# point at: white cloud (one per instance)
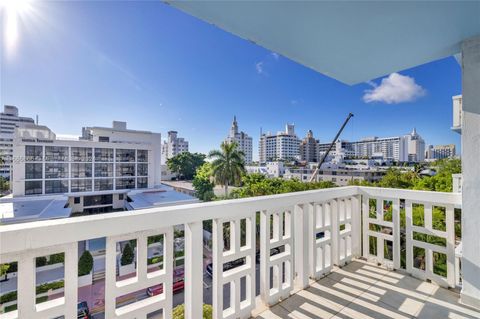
(275, 55)
(395, 88)
(259, 67)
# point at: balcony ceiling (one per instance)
(351, 41)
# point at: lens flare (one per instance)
(13, 11)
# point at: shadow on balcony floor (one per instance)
(362, 290)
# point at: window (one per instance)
(33, 187)
(56, 186)
(56, 153)
(103, 184)
(33, 153)
(120, 196)
(98, 200)
(125, 183)
(33, 170)
(81, 185)
(125, 169)
(125, 155)
(103, 170)
(104, 139)
(81, 154)
(104, 155)
(142, 169)
(142, 182)
(76, 200)
(142, 155)
(56, 170)
(81, 170)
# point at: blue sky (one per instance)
(88, 63)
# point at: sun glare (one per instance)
(12, 11)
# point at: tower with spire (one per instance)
(242, 139)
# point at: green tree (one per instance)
(202, 182)
(185, 164)
(442, 180)
(85, 263)
(228, 165)
(179, 312)
(127, 255)
(4, 269)
(395, 178)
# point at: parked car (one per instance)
(177, 286)
(226, 266)
(82, 310)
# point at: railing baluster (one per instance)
(301, 245)
(194, 270)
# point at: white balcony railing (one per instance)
(309, 231)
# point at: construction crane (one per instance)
(315, 173)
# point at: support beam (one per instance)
(471, 171)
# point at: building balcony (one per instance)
(349, 252)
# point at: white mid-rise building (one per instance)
(9, 120)
(242, 139)
(281, 146)
(95, 171)
(174, 145)
(440, 151)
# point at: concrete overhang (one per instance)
(351, 41)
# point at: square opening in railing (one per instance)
(128, 303)
(388, 249)
(155, 252)
(388, 210)
(431, 239)
(8, 287)
(126, 259)
(419, 258)
(179, 246)
(226, 228)
(418, 215)
(372, 245)
(440, 264)
(372, 208)
(439, 218)
(49, 277)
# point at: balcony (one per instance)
(353, 252)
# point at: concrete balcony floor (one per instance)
(362, 290)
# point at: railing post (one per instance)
(356, 226)
(301, 246)
(365, 215)
(332, 207)
(26, 287)
(194, 270)
(71, 280)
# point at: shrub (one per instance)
(49, 286)
(41, 261)
(127, 255)
(179, 312)
(9, 296)
(85, 263)
(56, 259)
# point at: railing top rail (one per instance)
(17, 238)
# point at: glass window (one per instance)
(81, 170)
(81, 154)
(142, 169)
(81, 185)
(125, 169)
(142, 182)
(98, 200)
(104, 139)
(103, 184)
(56, 186)
(33, 171)
(104, 155)
(103, 170)
(56, 153)
(125, 155)
(56, 170)
(76, 200)
(33, 187)
(125, 183)
(33, 153)
(142, 155)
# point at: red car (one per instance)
(177, 286)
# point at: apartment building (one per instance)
(440, 151)
(95, 171)
(281, 146)
(173, 145)
(309, 151)
(242, 139)
(9, 120)
(340, 176)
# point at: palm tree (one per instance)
(228, 164)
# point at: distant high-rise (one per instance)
(416, 147)
(281, 146)
(242, 139)
(309, 150)
(440, 151)
(174, 145)
(9, 120)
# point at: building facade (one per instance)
(95, 171)
(338, 176)
(440, 151)
(242, 139)
(309, 151)
(9, 120)
(281, 146)
(174, 145)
